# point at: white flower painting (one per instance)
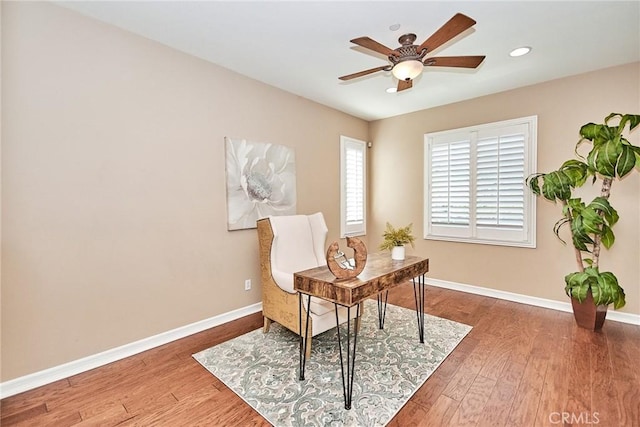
(261, 181)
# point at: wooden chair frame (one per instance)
(278, 305)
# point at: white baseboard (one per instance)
(616, 316)
(37, 379)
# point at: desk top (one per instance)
(379, 274)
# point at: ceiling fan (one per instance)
(408, 60)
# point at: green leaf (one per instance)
(553, 187)
(548, 188)
(614, 287)
(603, 205)
(633, 120)
(605, 289)
(591, 221)
(580, 244)
(610, 116)
(597, 293)
(626, 161)
(558, 225)
(591, 160)
(577, 285)
(576, 204)
(564, 190)
(579, 236)
(606, 134)
(607, 157)
(532, 182)
(576, 171)
(620, 299)
(591, 272)
(580, 292)
(590, 131)
(607, 238)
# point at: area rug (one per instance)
(391, 365)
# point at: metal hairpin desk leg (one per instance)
(303, 336)
(418, 293)
(382, 308)
(347, 382)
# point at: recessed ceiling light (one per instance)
(520, 51)
(391, 90)
(394, 27)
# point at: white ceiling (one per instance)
(303, 47)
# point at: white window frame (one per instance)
(358, 228)
(472, 233)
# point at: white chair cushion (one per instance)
(298, 244)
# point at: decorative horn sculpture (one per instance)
(338, 263)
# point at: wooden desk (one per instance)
(380, 274)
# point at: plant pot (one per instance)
(587, 314)
(397, 253)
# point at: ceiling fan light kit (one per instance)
(408, 60)
(407, 70)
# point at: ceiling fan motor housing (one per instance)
(408, 51)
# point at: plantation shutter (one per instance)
(475, 183)
(354, 184)
(353, 179)
(450, 183)
(499, 181)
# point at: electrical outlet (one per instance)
(247, 285)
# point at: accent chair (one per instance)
(288, 244)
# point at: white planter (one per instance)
(397, 253)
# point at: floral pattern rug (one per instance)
(390, 366)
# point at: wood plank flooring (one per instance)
(519, 366)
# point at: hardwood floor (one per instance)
(519, 366)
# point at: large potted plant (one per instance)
(395, 239)
(611, 157)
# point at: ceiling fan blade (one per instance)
(404, 84)
(364, 73)
(452, 28)
(454, 61)
(374, 45)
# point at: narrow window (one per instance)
(353, 166)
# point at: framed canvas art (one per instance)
(261, 181)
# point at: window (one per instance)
(353, 170)
(474, 183)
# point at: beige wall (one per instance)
(113, 189)
(562, 106)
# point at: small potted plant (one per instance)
(611, 157)
(395, 239)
